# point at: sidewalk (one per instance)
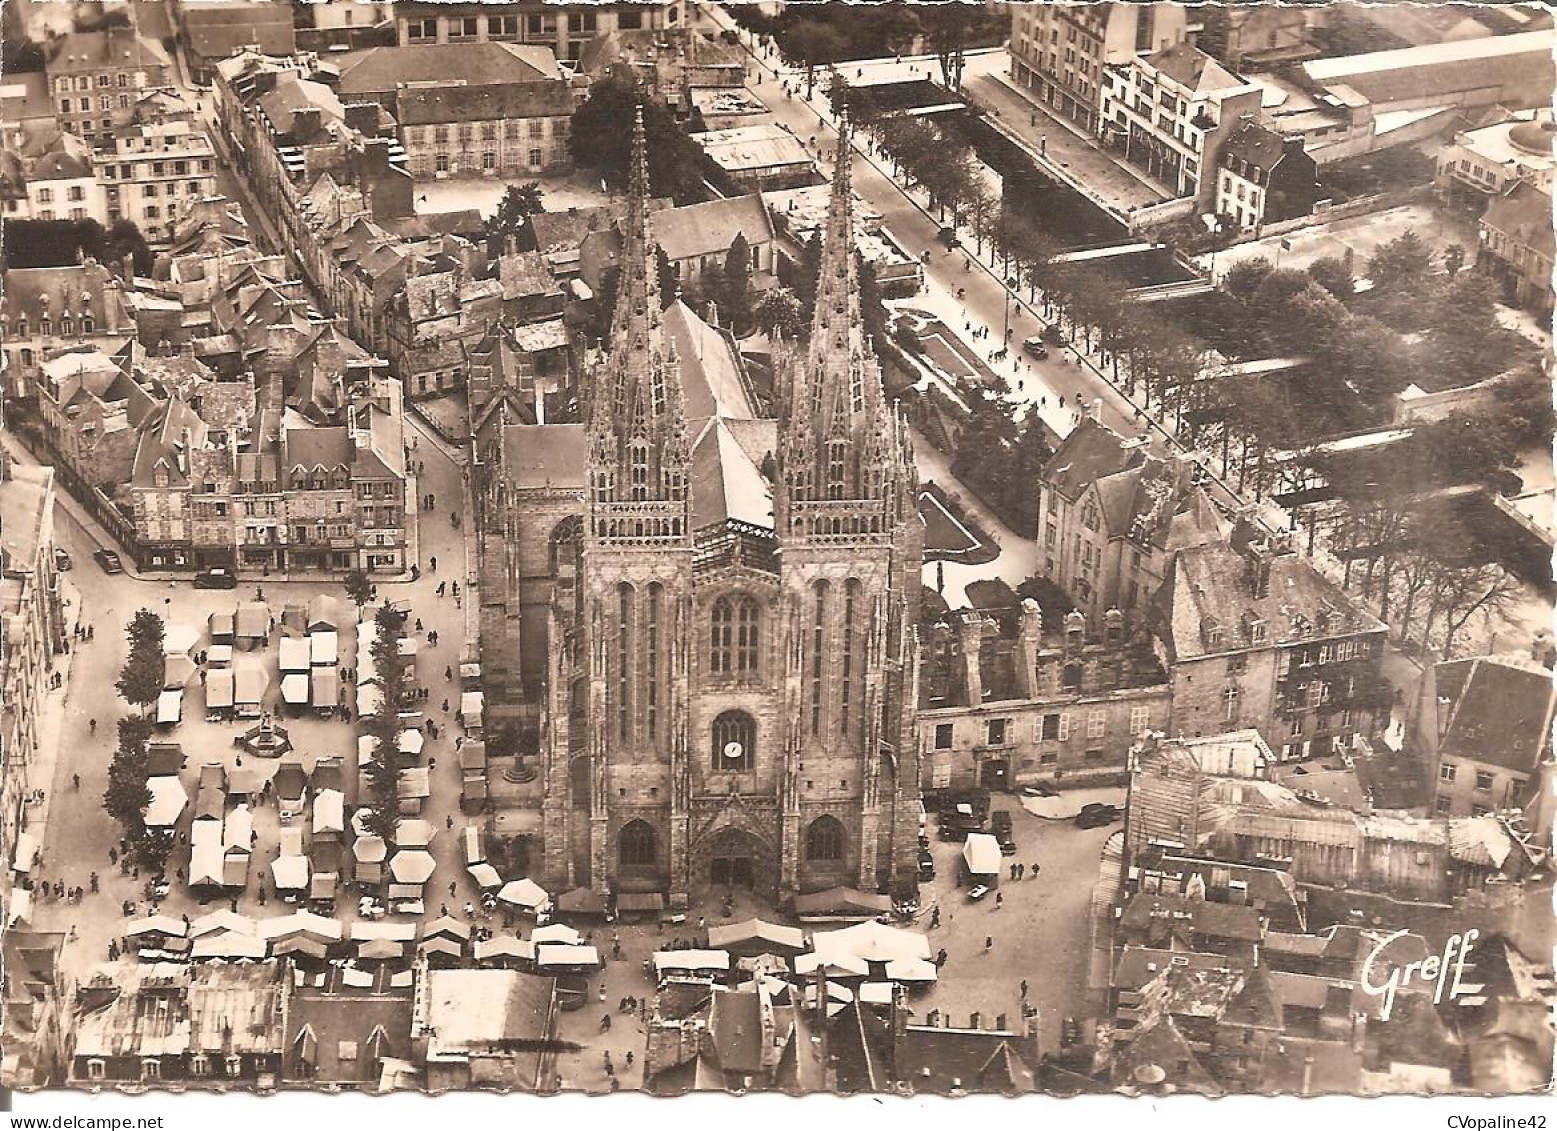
(1074, 155)
(41, 774)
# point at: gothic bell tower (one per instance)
(636, 578)
(850, 545)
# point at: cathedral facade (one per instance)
(730, 677)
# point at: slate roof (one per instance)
(542, 455)
(1499, 712)
(160, 445)
(1524, 214)
(92, 51)
(1214, 920)
(938, 1061)
(1138, 965)
(292, 94)
(217, 31)
(1210, 585)
(380, 70)
(1091, 452)
(338, 1036)
(1192, 68)
(1255, 144)
(442, 104)
(709, 228)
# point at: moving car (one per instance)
(108, 561)
(949, 238)
(217, 578)
(1034, 347)
(1039, 789)
(62, 560)
(1096, 815)
(977, 893)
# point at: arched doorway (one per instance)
(736, 859)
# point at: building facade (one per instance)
(97, 77)
(155, 168)
(1001, 709)
(1171, 112)
(1264, 178)
(565, 29)
(1059, 52)
(31, 632)
(1517, 244)
(730, 691)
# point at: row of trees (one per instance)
(129, 773)
(384, 725)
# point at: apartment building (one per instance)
(1170, 113)
(97, 76)
(154, 169)
(1060, 52)
(563, 28)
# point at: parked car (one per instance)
(1000, 825)
(1053, 335)
(1034, 347)
(62, 560)
(1096, 815)
(926, 865)
(217, 578)
(977, 893)
(949, 238)
(1039, 789)
(108, 561)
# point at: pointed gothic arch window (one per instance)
(825, 840)
(734, 742)
(733, 636)
(651, 660)
(847, 659)
(818, 639)
(638, 470)
(624, 661)
(637, 847)
(837, 468)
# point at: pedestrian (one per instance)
(454, 588)
(445, 706)
(935, 918)
(1034, 874)
(989, 943)
(92, 879)
(432, 563)
(448, 674)
(113, 856)
(451, 882)
(629, 1058)
(92, 725)
(602, 989)
(448, 822)
(1020, 869)
(1000, 898)
(1024, 989)
(432, 638)
(441, 586)
(418, 624)
(75, 780)
(432, 764)
(1012, 871)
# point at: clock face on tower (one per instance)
(733, 751)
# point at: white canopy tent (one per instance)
(168, 801)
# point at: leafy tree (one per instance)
(873, 312)
(1524, 405)
(596, 141)
(668, 278)
(20, 55)
(124, 238)
(1453, 259)
(1243, 279)
(359, 587)
(806, 273)
(146, 631)
(140, 680)
(1334, 276)
(1404, 260)
(128, 793)
(779, 314)
(519, 203)
(946, 27)
(384, 725)
(815, 45)
(736, 296)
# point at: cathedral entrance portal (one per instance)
(736, 859)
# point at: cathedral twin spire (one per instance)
(638, 442)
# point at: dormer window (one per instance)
(1089, 515)
(46, 326)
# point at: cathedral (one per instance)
(729, 662)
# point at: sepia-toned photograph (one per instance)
(926, 549)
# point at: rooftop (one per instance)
(1499, 711)
(752, 148)
(379, 70)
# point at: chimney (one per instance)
(974, 1019)
(1035, 1036)
(375, 155)
(1075, 631)
(306, 123)
(1028, 640)
(1000, 1022)
(363, 117)
(1113, 628)
(970, 637)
